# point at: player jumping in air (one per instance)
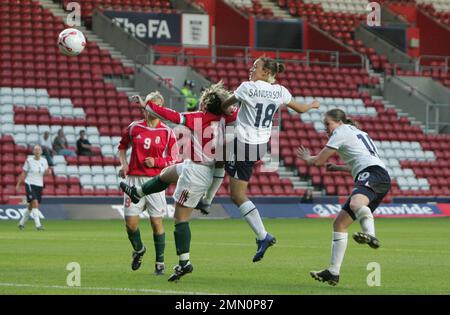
(259, 99)
(195, 175)
(372, 183)
(153, 147)
(34, 170)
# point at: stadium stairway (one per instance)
(276, 9)
(257, 8)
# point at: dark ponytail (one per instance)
(349, 121)
(272, 67)
(338, 115)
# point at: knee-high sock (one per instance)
(37, 220)
(160, 244)
(365, 217)
(135, 240)
(182, 236)
(251, 215)
(219, 175)
(25, 217)
(338, 247)
(152, 186)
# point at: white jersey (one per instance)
(354, 147)
(35, 170)
(258, 103)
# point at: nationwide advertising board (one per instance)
(405, 210)
(226, 210)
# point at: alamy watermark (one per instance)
(74, 16)
(374, 277)
(73, 279)
(374, 17)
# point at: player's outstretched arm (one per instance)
(318, 160)
(162, 113)
(303, 108)
(165, 114)
(338, 168)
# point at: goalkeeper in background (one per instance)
(153, 147)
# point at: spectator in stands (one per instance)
(61, 146)
(191, 100)
(307, 196)
(46, 145)
(83, 145)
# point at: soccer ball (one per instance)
(71, 42)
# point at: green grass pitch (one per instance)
(414, 258)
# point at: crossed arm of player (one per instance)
(320, 159)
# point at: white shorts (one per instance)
(154, 204)
(193, 183)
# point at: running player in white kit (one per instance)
(259, 99)
(34, 170)
(372, 183)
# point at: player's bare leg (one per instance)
(134, 235)
(159, 239)
(182, 236)
(159, 183)
(250, 213)
(205, 203)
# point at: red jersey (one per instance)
(207, 130)
(158, 142)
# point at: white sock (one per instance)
(25, 217)
(36, 218)
(139, 191)
(219, 174)
(365, 217)
(251, 215)
(184, 257)
(338, 247)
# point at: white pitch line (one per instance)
(278, 245)
(38, 286)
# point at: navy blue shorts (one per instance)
(33, 192)
(243, 157)
(373, 182)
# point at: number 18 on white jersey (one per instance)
(259, 102)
